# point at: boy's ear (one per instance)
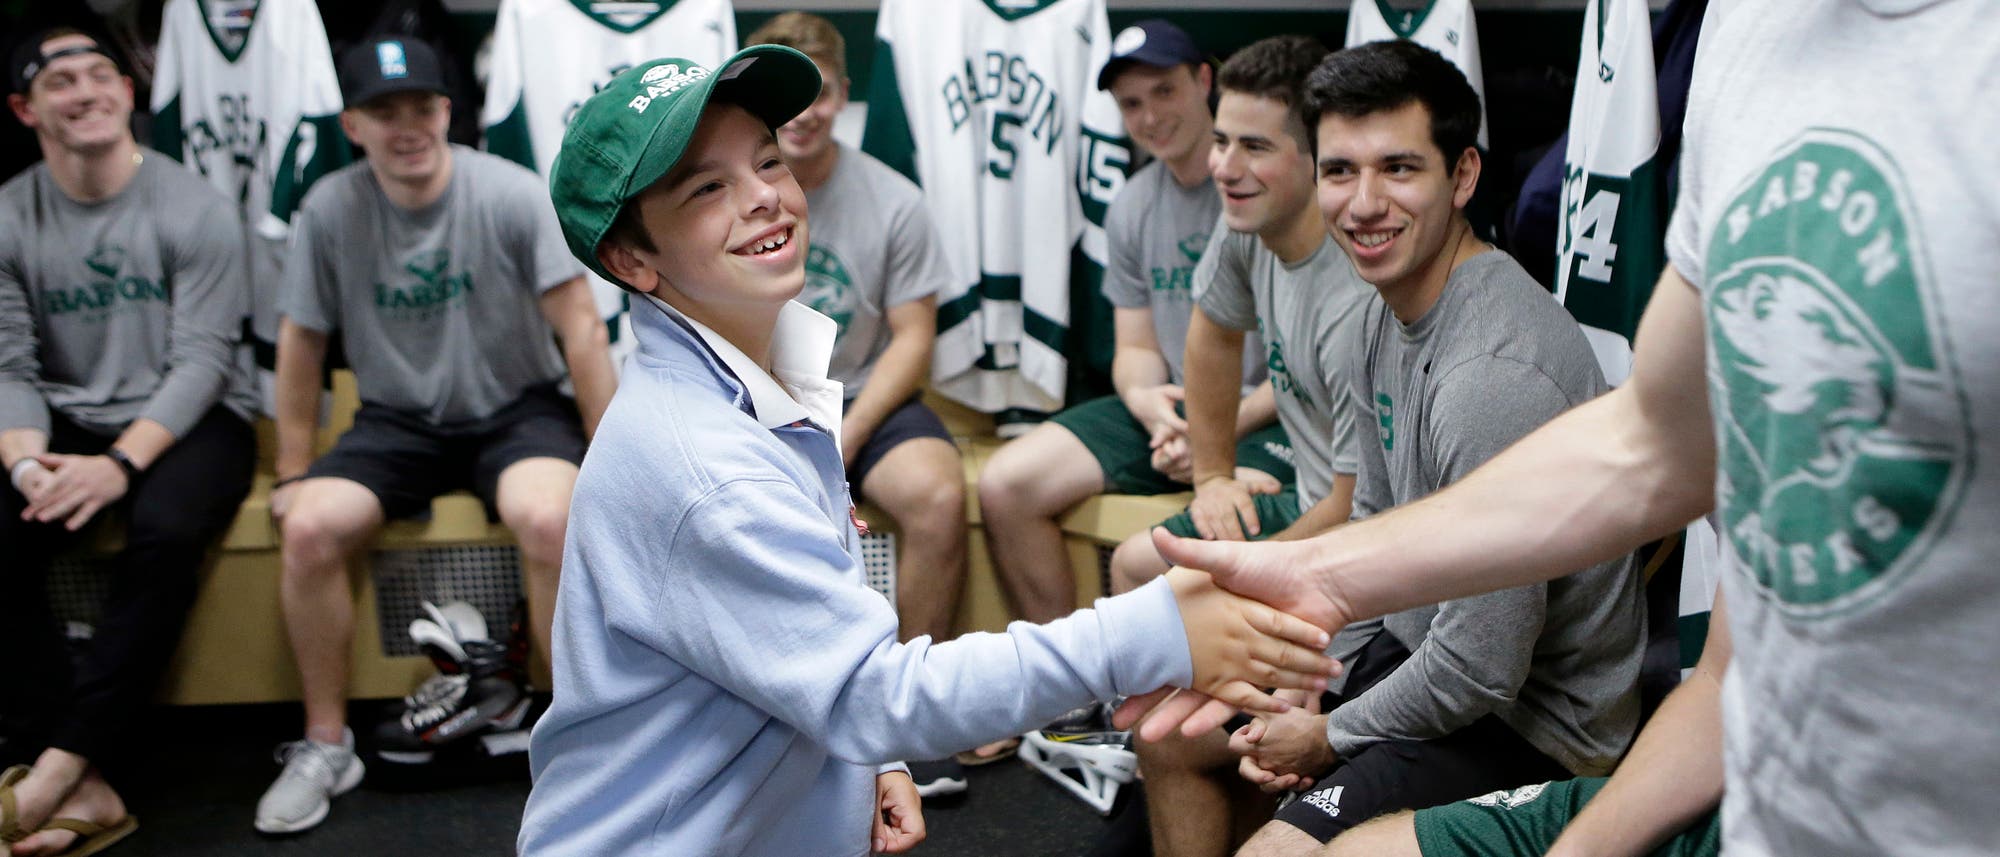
(626, 265)
(1465, 177)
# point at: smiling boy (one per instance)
(719, 666)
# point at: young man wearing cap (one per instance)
(122, 294)
(443, 269)
(725, 683)
(1134, 442)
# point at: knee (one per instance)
(1135, 563)
(935, 506)
(316, 542)
(540, 529)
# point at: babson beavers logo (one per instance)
(1845, 446)
(108, 289)
(432, 289)
(829, 288)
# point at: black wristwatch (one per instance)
(124, 463)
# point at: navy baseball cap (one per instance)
(378, 67)
(1150, 42)
(28, 59)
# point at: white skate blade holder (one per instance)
(1090, 771)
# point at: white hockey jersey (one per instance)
(548, 56)
(1445, 26)
(1612, 242)
(992, 106)
(245, 93)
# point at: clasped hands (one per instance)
(70, 488)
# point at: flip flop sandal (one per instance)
(10, 818)
(1002, 750)
(92, 837)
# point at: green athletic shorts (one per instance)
(1526, 821)
(1123, 451)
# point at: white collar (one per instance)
(801, 352)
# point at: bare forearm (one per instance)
(144, 441)
(1331, 511)
(899, 374)
(1595, 483)
(1673, 774)
(301, 353)
(1135, 369)
(1214, 368)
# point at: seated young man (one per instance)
(725, 684)
(1662, 801)
(1460, 353)
(122, 294)
(1270, 267)
(874, 267)
(1134, 442)
(444, 271)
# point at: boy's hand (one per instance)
(1239, 645)
(1222, 509)
(899, 820)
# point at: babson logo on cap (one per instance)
(1845, 443)
(663, 80)
(108, 289)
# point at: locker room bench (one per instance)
(235, 649)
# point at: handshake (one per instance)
(1257, 624)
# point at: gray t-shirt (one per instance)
(873, 248)
(126, 308)
(1306, 312)
(1558, 662)
(437, 308)
(1156, 231)
(1839, 212)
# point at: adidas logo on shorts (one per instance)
(1326, 800)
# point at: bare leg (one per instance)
(1193, 795)
(1393, 835)
(1027, 485)
(328, 521)
(1135, 563)
(921, 484)
(1278, 839)
(533, 496)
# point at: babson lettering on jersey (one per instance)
(1018, 99)
(1827, 346)
(107, 291)
(430, 294)
(235, 140)
(829, 287)
(1180, 278)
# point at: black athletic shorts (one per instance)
(406, 460)
(910, 420)
(1397, 775)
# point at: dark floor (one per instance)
(196, 788)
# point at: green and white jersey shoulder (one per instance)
(992, 106)
(1614, 205)
(244, 92)
(1445, 26)
(548, 56)
(1844, 232)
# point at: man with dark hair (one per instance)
(1457, 354)
(1271, 268)
(122, 294)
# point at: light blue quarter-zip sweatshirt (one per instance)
(725, 682)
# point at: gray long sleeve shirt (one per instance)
(1557, 662)
(123, 309)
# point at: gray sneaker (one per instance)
(314, 775)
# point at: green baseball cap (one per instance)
(633, 131)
